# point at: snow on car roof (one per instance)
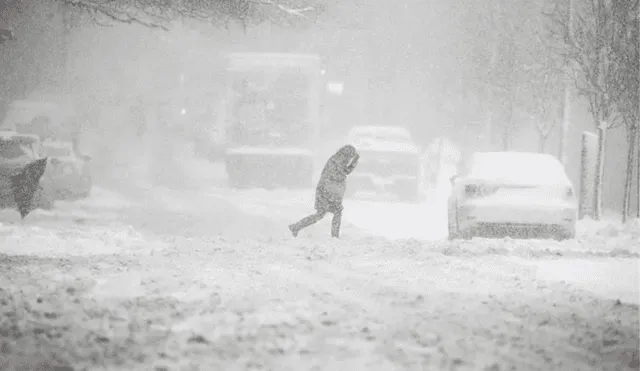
(526, 167)
(10, 134)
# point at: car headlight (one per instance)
(479, 190)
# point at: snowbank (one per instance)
(194, 212)
(610, 235)
(81, 240)
(608, 228)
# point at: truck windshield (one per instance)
(270, 108)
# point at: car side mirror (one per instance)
(86, 157)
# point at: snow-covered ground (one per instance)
(210, 279)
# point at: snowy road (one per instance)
(202, 280)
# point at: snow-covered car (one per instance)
(390, 161)
(71, 172)
(16, 151)
(515, 194)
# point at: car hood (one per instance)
(13, 166)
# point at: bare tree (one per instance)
(596, 73)
(543, 80)
(625, 55)
(160, 13)
(628, 182)
(638, 172)
(487, 62)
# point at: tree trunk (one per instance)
(490, 106)
(505, 138)
(566, 107)
(566, 119)
(506, 132)
(542, 143)
(638, 171)
(489, 122)
(597, 194)
(628, 179)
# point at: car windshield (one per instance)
(270, 108)
(521, 168)
(15, 148)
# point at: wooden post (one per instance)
(588, 155)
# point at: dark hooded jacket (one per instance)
(25, 185)
(332, 184)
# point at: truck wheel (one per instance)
(236, 183)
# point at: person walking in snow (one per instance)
(25, 185)
(330, 190)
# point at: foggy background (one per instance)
(457, 69)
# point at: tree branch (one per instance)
(159, 13)
(291, 11)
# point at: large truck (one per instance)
(271, 119)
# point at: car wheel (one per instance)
(88, 180)
(85, 193)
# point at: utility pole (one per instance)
(566, 119)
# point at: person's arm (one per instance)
(353, 164)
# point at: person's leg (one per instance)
(336, 221)
(306, 221)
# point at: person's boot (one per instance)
(294, 230)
